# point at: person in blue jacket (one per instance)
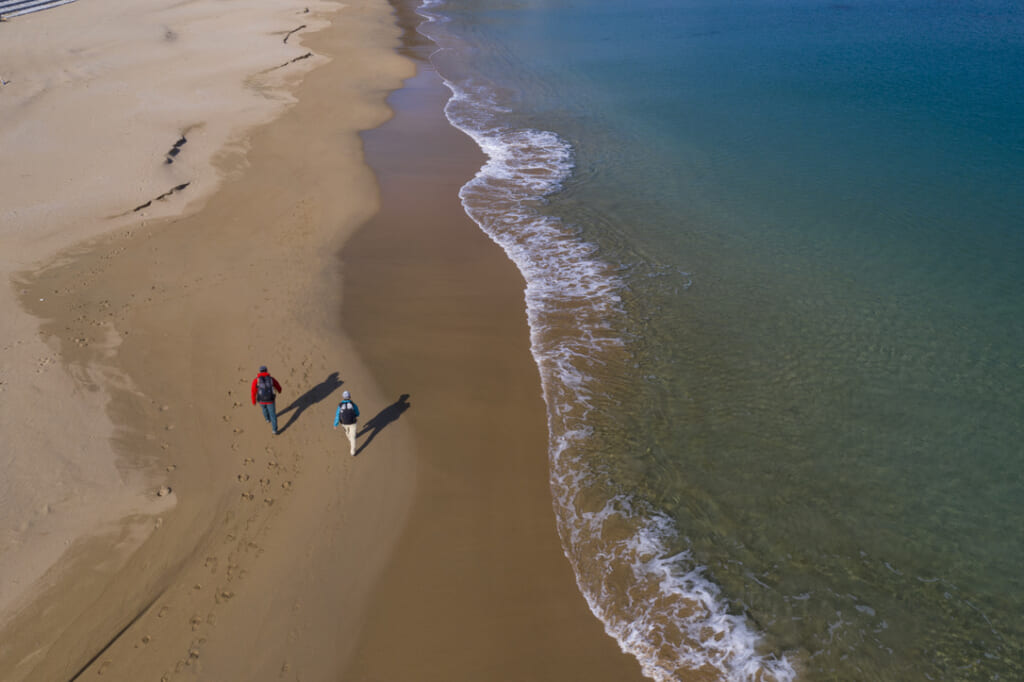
(347, 415)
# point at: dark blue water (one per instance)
(775, 265)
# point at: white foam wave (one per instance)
(676, 620)
(666, 613)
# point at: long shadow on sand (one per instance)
(385, 417)
(311, 397)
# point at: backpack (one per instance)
(348, 413)
(264, 389)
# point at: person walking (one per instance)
(264, 391)
(347, 414)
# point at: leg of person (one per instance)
(266, 413)
(272, 408)
(350, 431)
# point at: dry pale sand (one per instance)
(95, 98)
(131, 338)
(131, 368)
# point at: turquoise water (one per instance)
(775, 265)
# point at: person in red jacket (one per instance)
(264, 391)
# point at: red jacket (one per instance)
(277, 387)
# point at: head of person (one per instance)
(345, 395)
(263, 368)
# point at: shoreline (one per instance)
(478, 585)
(170, 318)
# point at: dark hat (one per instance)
(263, 368)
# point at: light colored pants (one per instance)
(350, 431)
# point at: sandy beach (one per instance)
(89, 136)
(132, 340)
(191, 200)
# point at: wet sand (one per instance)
(478, 586)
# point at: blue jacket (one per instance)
(337, 415)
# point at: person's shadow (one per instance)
(389, 414)
(310, 398)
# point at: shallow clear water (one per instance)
(775, 265)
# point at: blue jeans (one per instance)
(270, 414)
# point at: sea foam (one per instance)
(666, 613)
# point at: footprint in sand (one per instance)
(248, 496)
(242, 478)
(163, 611)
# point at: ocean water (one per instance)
(774, 254)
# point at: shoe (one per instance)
(275, 432)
